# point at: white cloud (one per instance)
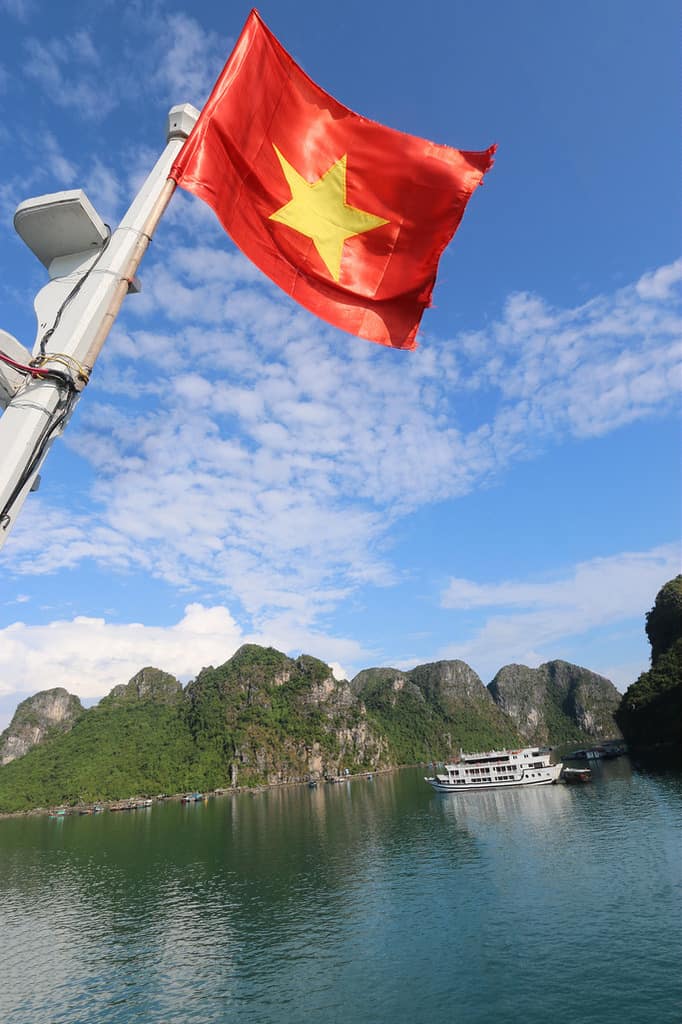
(19, 9)
(543, 616)
(240, 447)
(659, 284)
(62, 169)
(88, 656)
(63, 67)
(190, 58)
(105, 190)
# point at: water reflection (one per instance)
(326, 903)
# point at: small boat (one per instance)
(192, 798)
(497, 769)
(312, 784)
(147, 802)
(573, 775)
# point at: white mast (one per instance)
(90, 275)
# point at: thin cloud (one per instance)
(532, 620)
(265, 458)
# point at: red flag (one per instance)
(347, 216)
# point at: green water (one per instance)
(370, 901)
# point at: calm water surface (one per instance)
(365, 902)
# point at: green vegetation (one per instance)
(560, 726)
(113, 751)
(259, 718)
(664, 621)
(427, 714)
(650, 714)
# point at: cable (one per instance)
(33, 370)
(41, 372)
(61, 379)
(72, 294)
(60, 415)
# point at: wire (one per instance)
(43, 373)
(33, 370)
(72, 295)
(69, 399)
(60, 415)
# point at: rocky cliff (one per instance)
(432, 711)
(263, 717)
(557, 702)
(45, 714)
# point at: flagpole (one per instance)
(80, 303)
(127, 279)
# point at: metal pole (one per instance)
(39, 412)
(127, 278)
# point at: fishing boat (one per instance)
(497, 769)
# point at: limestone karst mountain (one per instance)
(557, 702)
(45, 714)
(265, 718)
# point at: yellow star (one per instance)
(320, 212)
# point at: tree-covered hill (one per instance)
(260, 718)
(433, 711)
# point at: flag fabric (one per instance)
(345, 215)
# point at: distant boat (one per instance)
(192, 798)
(312, 784)
(573, 775)
(588, 754)
(497, 769)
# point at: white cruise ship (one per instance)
(497, 769)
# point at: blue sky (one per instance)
(238, 470)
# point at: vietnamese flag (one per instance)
(346, 216)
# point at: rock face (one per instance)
(433, 711)
(264, 717)
(450, 684)
(45, 714)
(557, 702)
